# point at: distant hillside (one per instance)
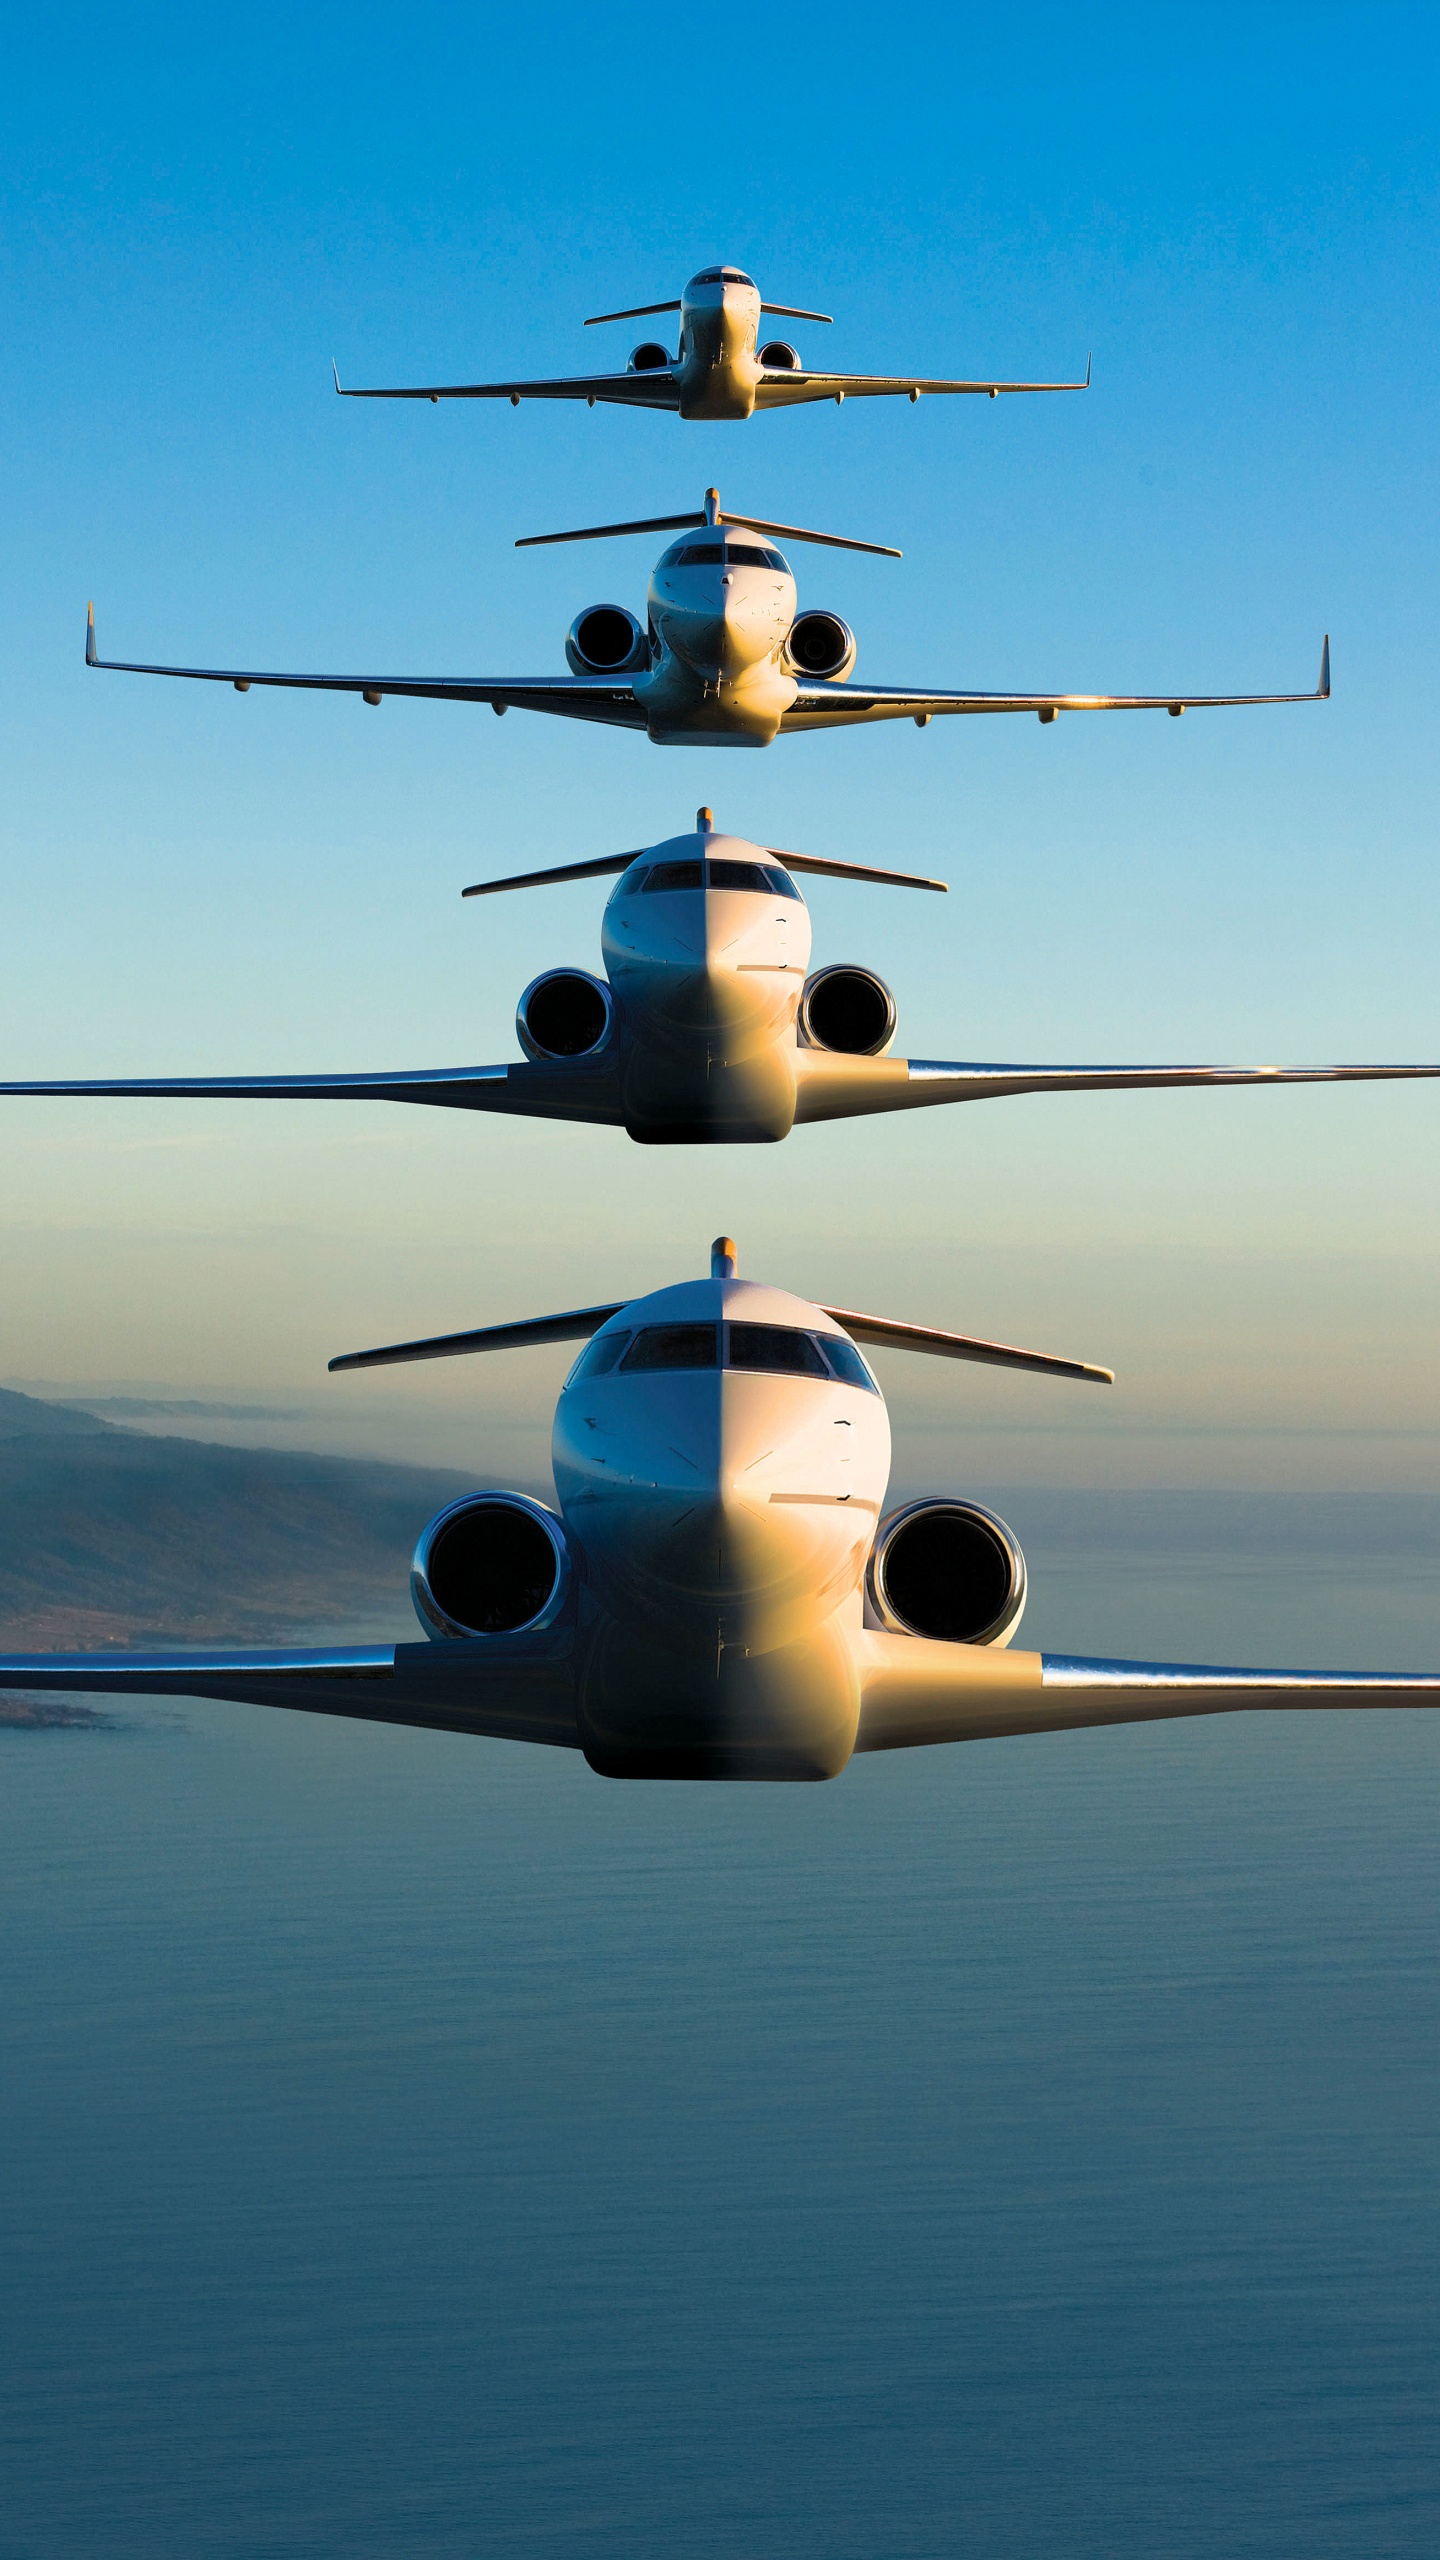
(114, 1536)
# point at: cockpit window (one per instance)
(722, 275)
(776, 1347)
(847, 1364)
(598, 1357)
(780, 881)
(738, 875)
(673, 875)
(733, 555)
(674, 1346)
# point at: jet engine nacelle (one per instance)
(491, 1564)
(649, 356)
(849, 1009)
(820, 644)
(564, 1014)
(780, 358)
(947, 1570)
(606, 640)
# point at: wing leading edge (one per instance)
(833, 706)
(833, 1087)
(571, 697)
(783, 389)
(514, 1688)
(648, 390)
(916, 1691)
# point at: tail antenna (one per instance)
(724, 1261)
(705, 822)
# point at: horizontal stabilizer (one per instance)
(712, 513)
(884, 1334)
(615, 862)
(828, 870)
(641, 311)
(576, 1325)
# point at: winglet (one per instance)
(335, 369)
(1088, 363)
(1324, 695)
(91, 660)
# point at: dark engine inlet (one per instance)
(948, 1570)
(490, 1565)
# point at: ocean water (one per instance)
(414, 2146)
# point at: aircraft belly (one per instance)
(682, 710)
(651, 1711)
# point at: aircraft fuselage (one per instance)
(717, 370)
(706, 942)
(725, 1512)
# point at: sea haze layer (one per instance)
(418, 2146)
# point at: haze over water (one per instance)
(1027, 2149)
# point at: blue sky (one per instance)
(1236, 212)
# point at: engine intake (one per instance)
(565, 1014)
(820, 644)
(948, 1570)
(492, 1564)
(849, 1009)
(649, 356)
(779, 357)
(606, 640)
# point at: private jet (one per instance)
(719, 1591)
(709, 1026)
(725, 658)
(718, 370)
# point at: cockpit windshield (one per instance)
(763, 879)
(780, 1349)
(727, 555)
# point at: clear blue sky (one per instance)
(1236, 210)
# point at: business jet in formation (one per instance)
(709, 1025)
(725, 656)
(719, 1591)
(718, 371)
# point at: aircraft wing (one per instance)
(819, 705)
(519, 1688)
(657, 390)
(559, 1090)
(780, 390)
(600, 698)
(834, 1087)
(914, 1691)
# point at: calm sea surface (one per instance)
(420, 2146)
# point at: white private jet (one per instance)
(724, 658)
(709, 1026)
(717, 1594)
(718, 371)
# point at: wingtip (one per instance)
(91, 660)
